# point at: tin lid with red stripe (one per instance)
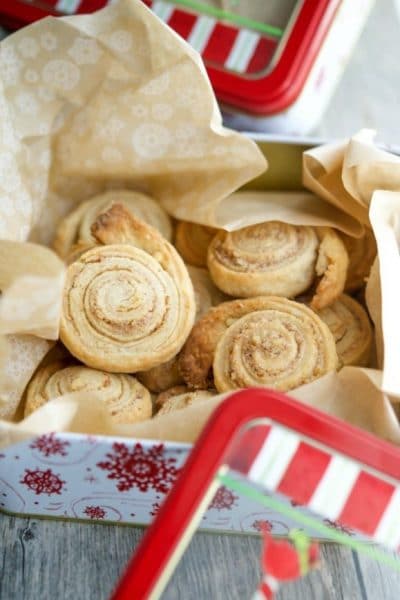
(312, 469)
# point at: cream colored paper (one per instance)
(373, 299)
(21, 355)
(367, 168)
(31, 282)
(242, 209)
(385, 219)
(79, 413)
(354, 395)
(322, 174)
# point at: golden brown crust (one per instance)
(127, 307)
(182, 401)
(162, 377)
(176, 390)
(77, 250)
(125, 398)
(75, 228)
(281, 347)
(350, 326)
(362, 252)
(192, 241)
(331, 267)
(197, 356)
(270, 258)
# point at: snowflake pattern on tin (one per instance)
(94, 512)
(155, 507)
(140, 468)
(223, 499)
(42, 482)
(50, 445)
(262, 525)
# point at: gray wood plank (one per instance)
(74, 561)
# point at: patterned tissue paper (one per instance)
(111, 99)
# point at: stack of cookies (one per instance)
(155, 327)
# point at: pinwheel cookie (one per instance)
(76, 227)
(266, 341)
(177, 402)
(276, 258)
(128, 306)
(125, 398)
(351, 328)
(206, 295)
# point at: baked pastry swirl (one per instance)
(192, 241)
(331, 268)
(350, 326)
(268, 258)
(177, 402)
(125, 398)
(127, 307)
(266, 341)
(76, 227)
(362, 252)
(206, 295)
(276, 258)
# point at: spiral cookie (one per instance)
(76, 226)
(183, 400)
(167, 375)
(362, 252)
(125, 398)
(269, 258)
(281, 345)
(126, 308)
(331, 268)
(351, 328)
(162, 377)
(192, 242)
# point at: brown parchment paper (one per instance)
(116, 99)
(385, 219)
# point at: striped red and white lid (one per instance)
(328, 483)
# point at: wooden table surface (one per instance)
(45, 560)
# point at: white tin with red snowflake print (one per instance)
(72, 476)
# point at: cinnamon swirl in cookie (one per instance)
(124, 397)
(350, 326)
(127, 306)
(76, 227)
(265, 341)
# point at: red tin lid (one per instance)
(280, 87)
